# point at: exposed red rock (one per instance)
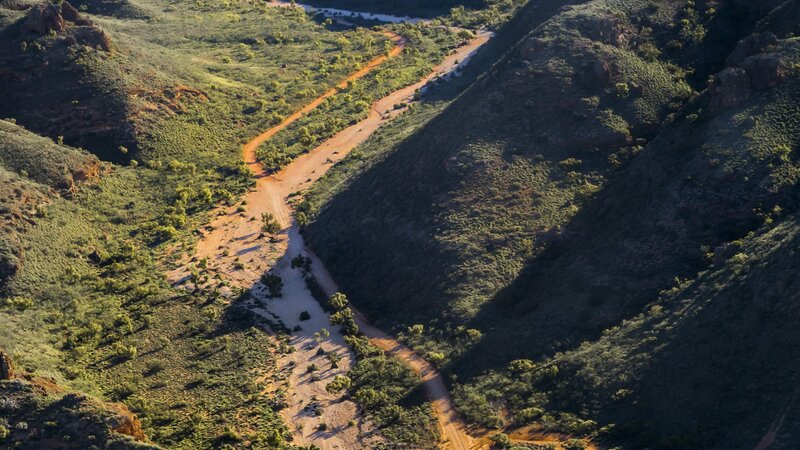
(123, 421)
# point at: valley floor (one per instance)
(237, 249)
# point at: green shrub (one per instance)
(17, 302)
(269, 224)
(500, 440)
(122, 351)
(301, 218)
(338, 384)
(574, 444)
(274, 284)
(622, 90)
(154, 368)
(338, 301)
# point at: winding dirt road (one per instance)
(237, 250)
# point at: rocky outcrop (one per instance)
(730, 87)
(750, 69)
(85, 421)
(90, 36)
(6, 367)
(750, 46)
(47, 17)
(44, 18)
(764, 71)
(123, 421)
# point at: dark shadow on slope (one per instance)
(413, 8)
(651, 225)
(716, 367)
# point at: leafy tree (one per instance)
(500, 440)
(269, 224)
(274, 284)
(321, 335)
(338, 301)
(521, 365)
(334, 359)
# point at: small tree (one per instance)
(334, 359)
(338, 384)
(321, 335)
(302, 219)
(500, 440)
(338, 301)
(274, 284)
(269, 224)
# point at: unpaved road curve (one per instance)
(237, 251)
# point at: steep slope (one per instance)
(33, 170)
(560, 195)
(46, 57)
(36, 413)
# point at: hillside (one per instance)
(37, 414)
(123, 137)
(33, 170)
(244, 225)
(570, 208)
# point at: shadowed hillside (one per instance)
(414, 8)
(619, 151)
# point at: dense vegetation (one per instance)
(595, 237)
(389, 393)
(425, 45)
(169, 90)
(591, 232)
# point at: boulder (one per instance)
(123, 421)
(44, 18)
(6, 367)
(595, 72)
(69, 13)
(750, 46)
(730, 88)
(91, 36)
(764, 70)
